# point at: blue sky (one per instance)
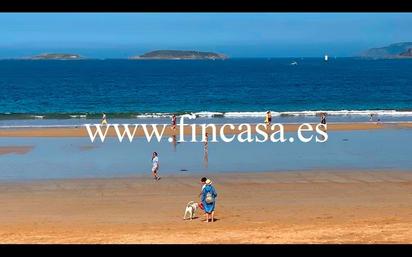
(114, 35)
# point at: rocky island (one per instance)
(393, 51)
(407, 53)
(56, 56)
(179, 55)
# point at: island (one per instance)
(56, 56)
(179, 55)
(393, 51)
(407, 54)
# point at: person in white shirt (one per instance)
(155, 166)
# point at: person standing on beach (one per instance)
(104, 119)
(323, 118)
(203, 182)
(155, 166)
(208, 199)
(268, 119)
(174, 122)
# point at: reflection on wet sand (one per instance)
(174, 142)
(206, 151)
(15, 149)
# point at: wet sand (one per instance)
(15, 149)
(82, 132)
(273, 207)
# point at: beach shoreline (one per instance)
(271, 207)
(80, 131)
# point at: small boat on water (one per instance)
(326, 57)
(294, 63)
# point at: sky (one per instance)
(121, 35)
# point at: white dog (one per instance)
(191, 208)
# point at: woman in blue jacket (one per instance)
(209, 200)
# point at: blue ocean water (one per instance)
(229, 88)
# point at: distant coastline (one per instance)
(401, 50)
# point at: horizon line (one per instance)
(165, 59)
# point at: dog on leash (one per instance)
(190, 211)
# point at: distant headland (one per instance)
(56, 56)
(179, 55)
(393, 51)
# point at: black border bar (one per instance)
(205, 6)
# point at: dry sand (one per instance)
(273, 207)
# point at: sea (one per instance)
(67, 93)
(70, 93)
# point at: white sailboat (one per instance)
(326, 57)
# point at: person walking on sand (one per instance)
(268, 119)
(174, 122)
(155, 166)
(104, 119)
(208, 199)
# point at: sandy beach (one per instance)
(273, 207)
(109, 121)
(318, 206)
(82, 132)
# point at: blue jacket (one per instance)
(209, 207)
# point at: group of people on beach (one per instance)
(378, 121)
(155, 158)
(268, 118)
(207, 195)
